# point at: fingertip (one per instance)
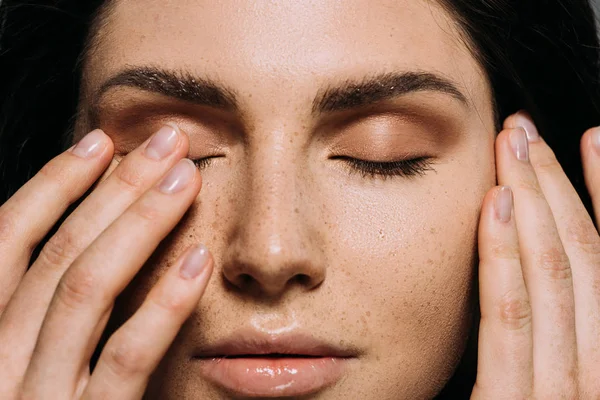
(93, 145)
(509, 122)
(196, 262)
(488, 212)
(522, 119)
(511, 144)
(184, 139)
(503, 204)
(590, 142)
(497, 219)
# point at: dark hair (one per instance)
(539, 55)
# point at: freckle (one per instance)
(368, 313)
(432, 231)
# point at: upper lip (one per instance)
(251, 343)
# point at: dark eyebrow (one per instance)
(351, 95)
(178, 84)
(347, 96)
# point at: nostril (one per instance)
(302, 279)
(245, 279)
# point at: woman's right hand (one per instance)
(52, 315)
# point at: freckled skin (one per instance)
(392, 261)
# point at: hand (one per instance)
(539, 274)
(52, 316)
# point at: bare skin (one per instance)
(299, 241)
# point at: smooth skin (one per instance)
(389, 261)
(538, 336)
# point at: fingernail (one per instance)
(523, 120)
(91, 145)
(162, 143)
(178, 177)
(194, 262)
(518, 143)
(596, 140)
(503, 204)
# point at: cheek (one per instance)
(410, 255)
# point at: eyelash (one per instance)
(370, 169)
(202, 163)
(379, 169)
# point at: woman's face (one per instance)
(283, 96)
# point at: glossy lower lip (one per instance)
(273, 376)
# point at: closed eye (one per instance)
(386, 169)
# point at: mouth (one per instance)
(251, 364)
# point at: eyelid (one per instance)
(407, 168)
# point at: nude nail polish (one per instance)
(523, 120)
(162, 143)
(519, 144)
(503, 204)
(194, 262)
(178, 177)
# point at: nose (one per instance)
(274, 247)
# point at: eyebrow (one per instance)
(175, 84)
(375, 89)
(343, 97)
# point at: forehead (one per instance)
(268, 46)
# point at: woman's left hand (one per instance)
(539, 273)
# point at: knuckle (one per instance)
(172, 303)
(585, 237)
(514, 310)
(505, 251)
(563, 389)
(547, 163)
(147, 210)
(54, 170)
(555, 264)
(126, 357)
(76, 288)
(60, 250)
(7, 226)
(130, 178)
(531, 189)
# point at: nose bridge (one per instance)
(271, 248)
(272, 223)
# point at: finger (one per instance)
(590, 154)
(580, 240)
(135, 174)
(131, 354)
(505, 355)
(546, 270)
(89, 287)
(32, 211)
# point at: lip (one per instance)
(253, 364)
